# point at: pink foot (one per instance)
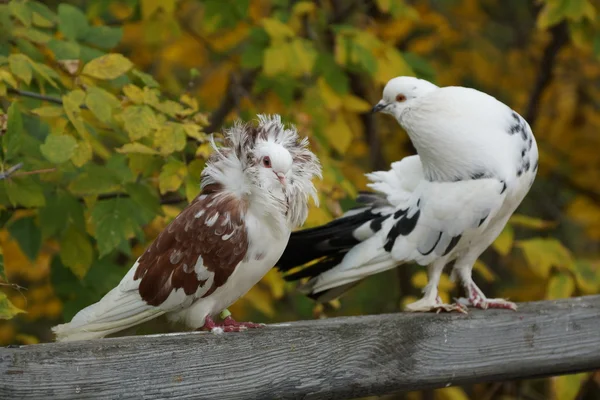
(228, 325)
(478, 300)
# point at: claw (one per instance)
(229, 325)
(478, 300)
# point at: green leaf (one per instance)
(139, 121)
(109, 66)
(61, 210)
(147, 79)
(587, 279)
(11, 140)
(64, 50)
(145, 197)
(58, 148)
(25, 191)
(7, 309)
(95, 179)
(72, 22)
(28, 235)
(568, 387)
(20, 67)
(76, 251)
(101, 103)
(20, 11)
(335, 76)
(114, 224)
(105, 37)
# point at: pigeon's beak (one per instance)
(379, 106)
(281, 177)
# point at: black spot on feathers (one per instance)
(402, 227)
(503, 187)
(434, 245)
(452, 244)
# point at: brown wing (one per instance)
(211, 227)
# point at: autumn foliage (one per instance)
(106, 109)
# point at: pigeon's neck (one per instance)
(449, 158)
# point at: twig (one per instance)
(559, 38)
(10, 171)
(232, 97)
(37, 171)
(33, 95)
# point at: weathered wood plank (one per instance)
(334, 359)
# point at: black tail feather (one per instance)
(329, 242)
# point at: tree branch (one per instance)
(560, 37)
(235, 91)
(33, 95)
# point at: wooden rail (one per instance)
(335, 358)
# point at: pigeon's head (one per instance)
(399, 93)
(273, 163)
(266, 162)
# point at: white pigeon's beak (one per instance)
(281, 177)
(379, 106)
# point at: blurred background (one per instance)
(100, 152)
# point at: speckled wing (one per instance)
(426, 226)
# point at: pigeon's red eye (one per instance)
(267, 162)
(400, 98)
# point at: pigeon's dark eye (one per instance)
(400, 98)
(267, 162)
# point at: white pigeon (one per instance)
(476, 161)
(254, 192)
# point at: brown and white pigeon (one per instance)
(255, 190)
(476, 161)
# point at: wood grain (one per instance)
(336, 358)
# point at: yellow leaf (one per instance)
(136, 148)
(83, 153)
(8, 78)
(384, 5)
(41, 21)
(169, 139)
(567, 387)
(76, 251)
(317, 216)
(484, 271)
(339, 134)
(260, 300)
(530, 222)
(419, 279)
(274, 280)
(304, 7)
(451, 393)
(48, 111)
(109, 66)
(139, 121)
(101, 103)
(303, 57)
(171, 176)
(189, 101)
(8, 309)
(274, 60)
(277, 29)
(330, 98)
(71, 103)
(204, 150)
(192, 188)
(194, 131)
(134, 93)
(587, 276)
(20, 67)
(560, 286)
(543, 254)
(504, 242)
(355, 104)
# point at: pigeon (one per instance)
(254, 192)
(476, 161)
